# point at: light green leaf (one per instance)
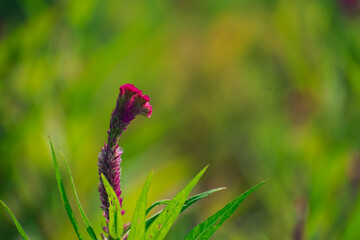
(63, 193)
(160, 227)
(17, 224)
(205, 229)
(89, 228)
(116, 222)
(138, 230)
(187, 204)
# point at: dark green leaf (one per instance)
(158, 203)
(187, 204)
(63, 193)
(116, 223)
(138, 220)
(89, 228)
(205, 229)
(160, 227)
(199, 196)
(17, 224)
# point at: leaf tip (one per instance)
(264, 181)
(205, 168)
(62, 154)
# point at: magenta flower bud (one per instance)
(130, 103)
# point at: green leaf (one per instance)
(17, 224)
(187, 204)
(138, 220)
(116, 222)
(89, 228)
(205, 229)
(63, 194)
(158, 203)
(160, 227)
(199, 196)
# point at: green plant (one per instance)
(132, 102)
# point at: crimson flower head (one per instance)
(130, 103)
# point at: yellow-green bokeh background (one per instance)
(257, 89)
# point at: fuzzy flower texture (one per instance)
(130, 103)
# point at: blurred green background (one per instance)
(257, 89)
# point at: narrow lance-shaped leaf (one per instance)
(158, 203)
(138, 220)
(89, 228)
(199, 196)
(205, 229)
(187, 204)
(160, 227)
(17, 224)
(116, 223)
(63, 194)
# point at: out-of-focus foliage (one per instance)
(257, 89)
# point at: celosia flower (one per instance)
(130, 103)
